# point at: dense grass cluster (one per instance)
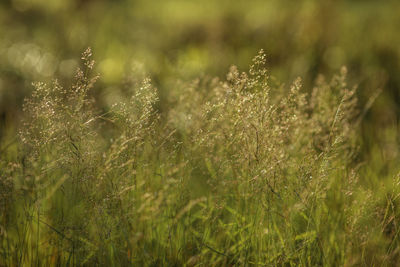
(243, 171)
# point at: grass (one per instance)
(243, 171)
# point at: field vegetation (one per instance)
(180, 142)
(239, 171)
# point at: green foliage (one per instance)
(241, 171)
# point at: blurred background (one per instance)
(185, 39)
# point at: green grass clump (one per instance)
(243, 171)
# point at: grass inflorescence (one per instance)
(240, 171)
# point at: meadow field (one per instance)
(199, 133)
